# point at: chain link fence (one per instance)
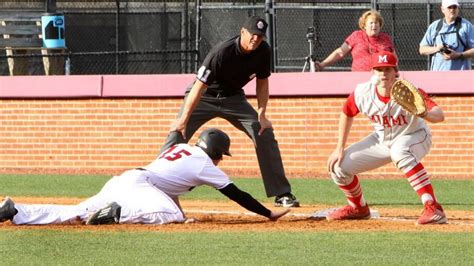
(116, 37)
(155, 37)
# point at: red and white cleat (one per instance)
(432, 214)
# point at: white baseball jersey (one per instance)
(182, 167)
(389, 119)
(399, 137)
(145, 195)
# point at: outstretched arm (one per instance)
(245, 200)
(334, 57)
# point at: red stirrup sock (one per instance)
(353, 193)
(420, 181)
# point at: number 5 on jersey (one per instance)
(172, 155)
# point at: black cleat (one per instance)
(7, 209)
(107, 215)
(286, 200)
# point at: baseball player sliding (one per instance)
(399, 137)
(148, 195)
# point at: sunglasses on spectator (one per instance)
(453, 7)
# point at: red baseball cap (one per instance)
(384, 59)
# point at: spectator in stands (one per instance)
(362, 44)
(450, 40)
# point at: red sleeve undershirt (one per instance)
(350, 108)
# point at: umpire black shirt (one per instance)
(226, 69)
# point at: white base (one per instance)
(322, 214)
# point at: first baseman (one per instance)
(399, 137)
(217, 92)
(148, 195)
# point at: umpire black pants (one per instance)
(238, 111)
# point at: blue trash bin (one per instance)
(53, 27)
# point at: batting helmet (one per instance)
(214, 142)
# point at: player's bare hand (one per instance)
(264, 124)
(275, 215)
(335, 157)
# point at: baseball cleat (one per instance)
(7, 209)
(350, 213)
(432, 214)
(286, 200)
(110, 214)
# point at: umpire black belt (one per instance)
(219, 94)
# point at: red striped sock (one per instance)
(420, 181)
(353, 193)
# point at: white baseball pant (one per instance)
(370, 153)
(141, 203)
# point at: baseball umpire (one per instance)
(217, 92)
(148, 195)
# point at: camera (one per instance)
(445, 49)
(311, 34)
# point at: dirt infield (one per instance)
(227, 216)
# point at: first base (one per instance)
(322, 214)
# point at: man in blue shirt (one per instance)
(450, 41)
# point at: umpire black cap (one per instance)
(214, 142)
(256, 25)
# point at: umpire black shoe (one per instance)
(110, 214)
(7, 209)
(286, 200)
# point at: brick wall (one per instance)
(109, 135)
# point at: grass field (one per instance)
(33, 245)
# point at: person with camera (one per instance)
(362, 44)
(450, 40)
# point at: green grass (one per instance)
(51, 185)
(453, 194)
(32, 247)
(133, 248)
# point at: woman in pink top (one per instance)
(362, 44)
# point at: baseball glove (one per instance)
(407, 96)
